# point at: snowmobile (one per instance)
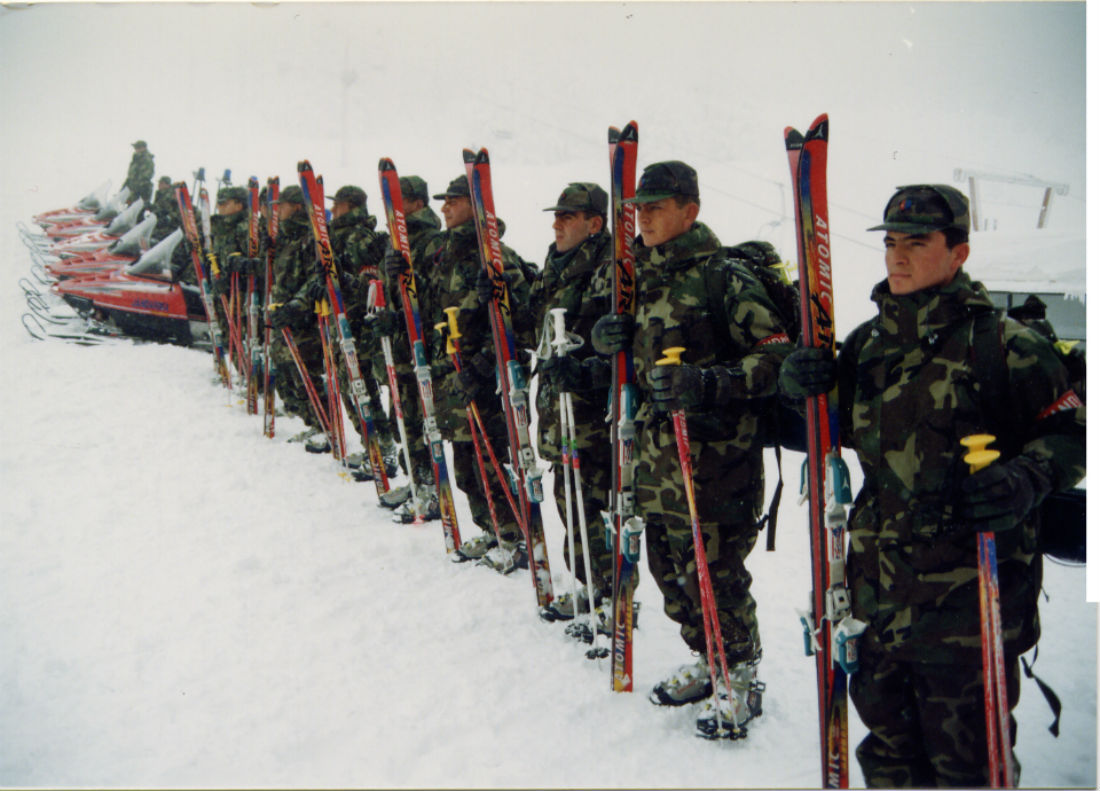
(111, 209)
(85, 207)
(98, 239)
(118, 254)
(141, 300)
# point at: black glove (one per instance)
(484, 287)
(384, 322)
(316, 289)
(999, 497)
(678, 386)
(806, 372)
(290, 314)
(481, 363)
(349, 283)
(613, 333)
(469, 384)
(221, 284)
(252, 266)
(565, 374)
(394, 265)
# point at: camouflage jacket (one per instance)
(422, 226)
(578, 280)
(452, 282)
(714, 307)
(295, 261)
(358, 249)
(139, 176)
(228, 238)
(908, 394)
(167, 211)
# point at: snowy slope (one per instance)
(185, 603)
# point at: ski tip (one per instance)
(613, 134)
(304, 166)
(793, 138)
(819, 129)
(629, 133)
(386, 164)
(469, 156)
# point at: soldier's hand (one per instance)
(564, 374)
(384, 321)
(394, 265)
(678, 386)
(221, 285)
(1000, 496)
(290, 314)
(316, 289)
(484, 287)
(468, 385)
(806, 372)
(249, 266)
(613, 333)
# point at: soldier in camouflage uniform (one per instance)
(421, 223)
(139, 176)
(358, 249)
(452, 262)
(229, 255)
(577, 276)
(295, 263)
(692, 295)
(908, 394)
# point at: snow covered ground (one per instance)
(186, 603)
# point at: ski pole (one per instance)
(254, 352)
(445, 328)
(563, 343)
(269, 371)
(311, 391)
(376, 300)
(998, 739)
(711, 628)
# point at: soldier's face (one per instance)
(231, 206)
(662, 220)
(286, 210)
(915, 262)
(340, 208)
(571, 228)
(457, 211)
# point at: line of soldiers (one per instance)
(906, 397)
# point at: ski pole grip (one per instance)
(672, 355)
(452, 321)
(558, 318)
(979, 456)
(443, 329)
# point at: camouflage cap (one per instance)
(233, 193)
(350, 194)
(165, 180)
(458, 188)
(665, 180)
(414, 188)
(292, 194)
(581, 196)
(924, 208)
(138, 144)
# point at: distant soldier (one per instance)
(139, 177)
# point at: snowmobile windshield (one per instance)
(95, 199)
(156, 261)
(126, 219)
(136, 240)
(114, 205)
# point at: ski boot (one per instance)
(737, 709)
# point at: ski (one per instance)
(624, 527)
(255, 354)
(394, 205)
(268, 367)
(829, 629)
(191, 231)
(313, 191)
(513, 379)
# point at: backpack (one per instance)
(780, 424)
(1061, 514)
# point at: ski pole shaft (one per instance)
(998, 738)
(711, 629)
(311, 391)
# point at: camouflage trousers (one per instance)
(422, 473)
(594, 459)
(467, 477)
(926, 722)
(288, 382)
(729, 496)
